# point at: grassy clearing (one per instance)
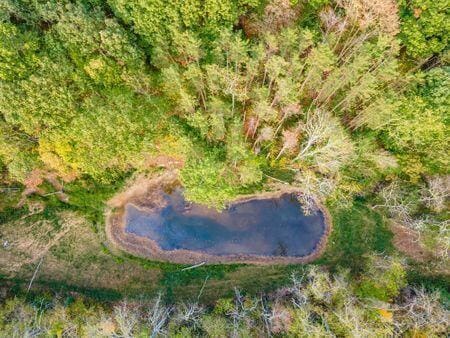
(356, 231)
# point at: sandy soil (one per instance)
(146, 193)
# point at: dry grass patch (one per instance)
(71, 253)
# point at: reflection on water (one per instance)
(268, 227)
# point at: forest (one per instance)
(347, 101)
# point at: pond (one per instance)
(273, 226)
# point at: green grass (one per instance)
(356, 231)
(17, 287)
(174, 276)
(11, 214)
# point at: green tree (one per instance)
(418, 129)
(17, 52)
(425, 27)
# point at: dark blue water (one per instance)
(268, 227)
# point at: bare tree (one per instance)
(326, 145)
(379, 14)
(189, 314)
(437, 192)
(396, 204)
(317, 128)
(422, 310)
(312, 188)
(158, 316)
(241, 312)
(127, 319)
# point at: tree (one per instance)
(156, 21)
(87, 79)
(383, 279)
(382, 14)
(208, 181)
(325, 144)
(417, 131)
(126, 122)
(17, 52)
(436, 193)
(290, 141)
(424, 27)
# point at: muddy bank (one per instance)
(151, 197)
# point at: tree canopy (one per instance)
(343, 100)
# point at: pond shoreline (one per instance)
(146, 199)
